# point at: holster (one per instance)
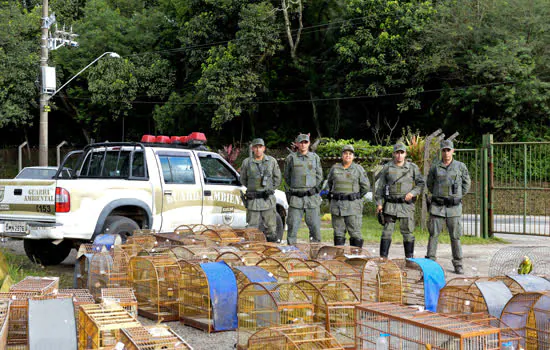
(243, 198)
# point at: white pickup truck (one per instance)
(118, 188)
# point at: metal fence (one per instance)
(471, 203)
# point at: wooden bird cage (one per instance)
(80, 297)
(380, 279)
(414, 278)
(320, 271)
(410, 329)
(240, 258)
(195, 254)
(155, 282)
(152, 338)
(290, 269)
(124, 297)
(145, 241)
(329, 252)
(310, 249)
(334, 306)
(293, 337)
(263, 305)
(99, 326)
(82, 266)
(282, 252)
(251, 234)
(198, 228)
(37, 285)
(344, 272)
(108, 270)
(183, 229)
(131, 249)
(4, 322)
(469, 295)
(18, 328)
(507, 260)
(143, 232)
(175, 238)
(529, 315)
(195, 308)
(258, 247)
(222, 236)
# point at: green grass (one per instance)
(372, 231)
(19, 267)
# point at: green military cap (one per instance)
(446, 144)
(258, 141)
(348, 148)
(399, 147)
(302, 137)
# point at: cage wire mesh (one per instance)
(381, 279)
(124, 297)
(195, 253)
(320, 271)
(328, 252)
(18, 318)
(155, 282)
(80, 297)
(195, 307)
(145, 241)
(251, 234)
(412, 282)
(262, 305)
(334, 305)
(4, 321)
(240, 258)
(99, 325)
(508, 260)
(82, 265)
(152, 338)
(410, 329)
(38, 285)
(344, 272)
(287, 269)
(293, 337)
(311, 249)
(243, 279)
(529, 315)
(171, 239)
(222, 236)
(108, 269)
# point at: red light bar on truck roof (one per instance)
(193, 139)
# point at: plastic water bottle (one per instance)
(383, 342)
(507, 346)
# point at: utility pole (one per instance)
(44, 108)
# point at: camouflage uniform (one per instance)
(304, 175)
(448, 185)
(400, 181)
(347, 188)
(260, 197)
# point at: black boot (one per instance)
(356, 242)
(385, 247)
(339, 241)
(409, 249)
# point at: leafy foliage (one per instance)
(333, 148)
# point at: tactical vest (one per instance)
(345, 180)
(400, 179)
(304, 174)
(256, 170)
(448, 181)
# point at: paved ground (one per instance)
(477, 259)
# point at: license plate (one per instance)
(15, 227)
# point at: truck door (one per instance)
(181, 190)
(222, 202)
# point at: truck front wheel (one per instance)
(45, 252)
(120, 225)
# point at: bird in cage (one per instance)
(526, 266)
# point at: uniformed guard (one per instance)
(304, 175)
(261, 176)
(448, 181)
(347, 183)
(400, 183)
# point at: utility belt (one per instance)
(338, 196)
(258, 194)
(312, 191)
(447, 201)
(396, 199)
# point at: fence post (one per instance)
(490, 185)
(20, 154)
(486, 216)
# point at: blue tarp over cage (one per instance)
(434, 280)
(222, 285)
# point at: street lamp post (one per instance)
(44, 109)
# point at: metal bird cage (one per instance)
(507, 260)
(195, 308)
(334, 305)
(18, 318)
(293, 337)
(290, 269)
(4, 321)
(155, 282)
(251, 234)
(152, 338)
(38, 285)
(263, 305)
(414, 279)
(124, 297)
(240, 258)
(529, 315)
(108, 270)
(410, 329)
(99, 326)
(380, 279)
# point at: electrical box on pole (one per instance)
(48, 80)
